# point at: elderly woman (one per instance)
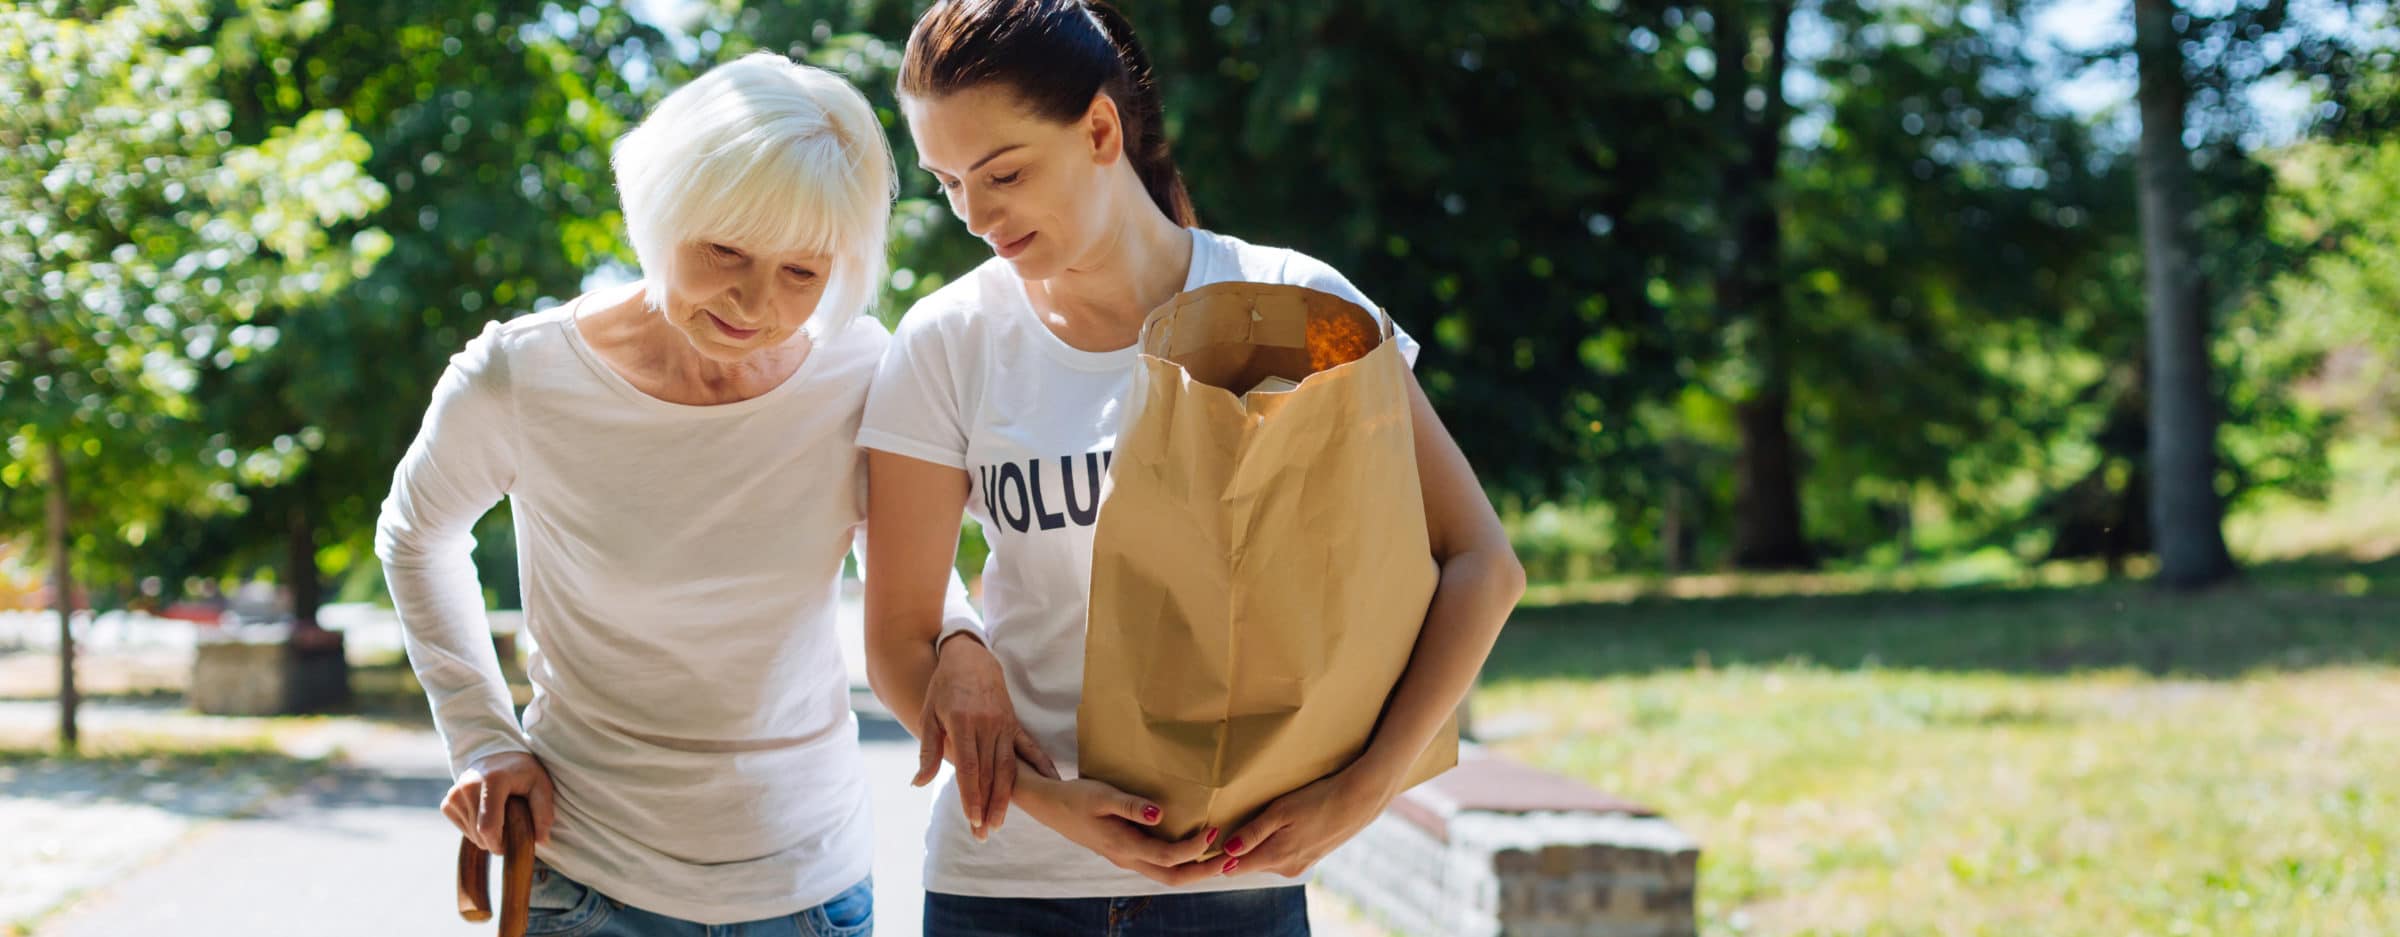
(678, 454)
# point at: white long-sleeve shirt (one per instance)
(680, 568)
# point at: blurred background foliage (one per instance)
(1738, 284)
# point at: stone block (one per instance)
(1495, 848)
(269, 671)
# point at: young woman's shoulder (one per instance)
(1242, 260)
(1264, 264)
(956, 307)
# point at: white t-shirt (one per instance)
(680, 567)
(974, 380)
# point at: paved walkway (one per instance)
(360, 850)
(340, 837)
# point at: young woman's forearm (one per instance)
(1477, 591)
(1479, 586)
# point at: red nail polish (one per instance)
(1150, 814)
(1212, 836)
(1234, 844)
(1230, 865)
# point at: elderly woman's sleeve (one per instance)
(463, 461)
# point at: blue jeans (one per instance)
(1258, 912)
(563, 907)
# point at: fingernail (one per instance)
(1212, 836)
(1150, 814)
(1234, 844)
(1230, 865)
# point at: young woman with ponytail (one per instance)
(999, 396)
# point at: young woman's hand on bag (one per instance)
(969, 719)
(476, 802)
(1302, 827)
(1109, 822)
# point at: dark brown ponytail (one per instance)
(1055, 54)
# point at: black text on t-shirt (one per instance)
(1045, 494)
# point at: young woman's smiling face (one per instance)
(1032, 189)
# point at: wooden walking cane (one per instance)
(516, 872)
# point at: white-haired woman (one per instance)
(678, 456)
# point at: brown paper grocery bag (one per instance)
(1260, 569)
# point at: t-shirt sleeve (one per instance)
(922, 421)
(915, 408)
(1303, 270)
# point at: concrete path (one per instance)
(360, 850)
(356, 848)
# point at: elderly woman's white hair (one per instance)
(765, 154)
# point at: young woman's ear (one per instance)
(1103, 129)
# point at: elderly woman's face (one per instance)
(733, 301)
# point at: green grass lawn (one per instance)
(2097, 759)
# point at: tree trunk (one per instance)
(62, 596)
(1672, 542)
(1767, 530)
(1906, 528)
(1768, 533)
(300, 564)
(2185, 513)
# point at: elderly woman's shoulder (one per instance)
(953, 308)
(504, 344)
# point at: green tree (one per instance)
(1952, 241)
(1751, 42)
(1513, 180)
(490, 125)
(2333, 320)
(1649, 284)
(2204, 185)
(139, 244)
